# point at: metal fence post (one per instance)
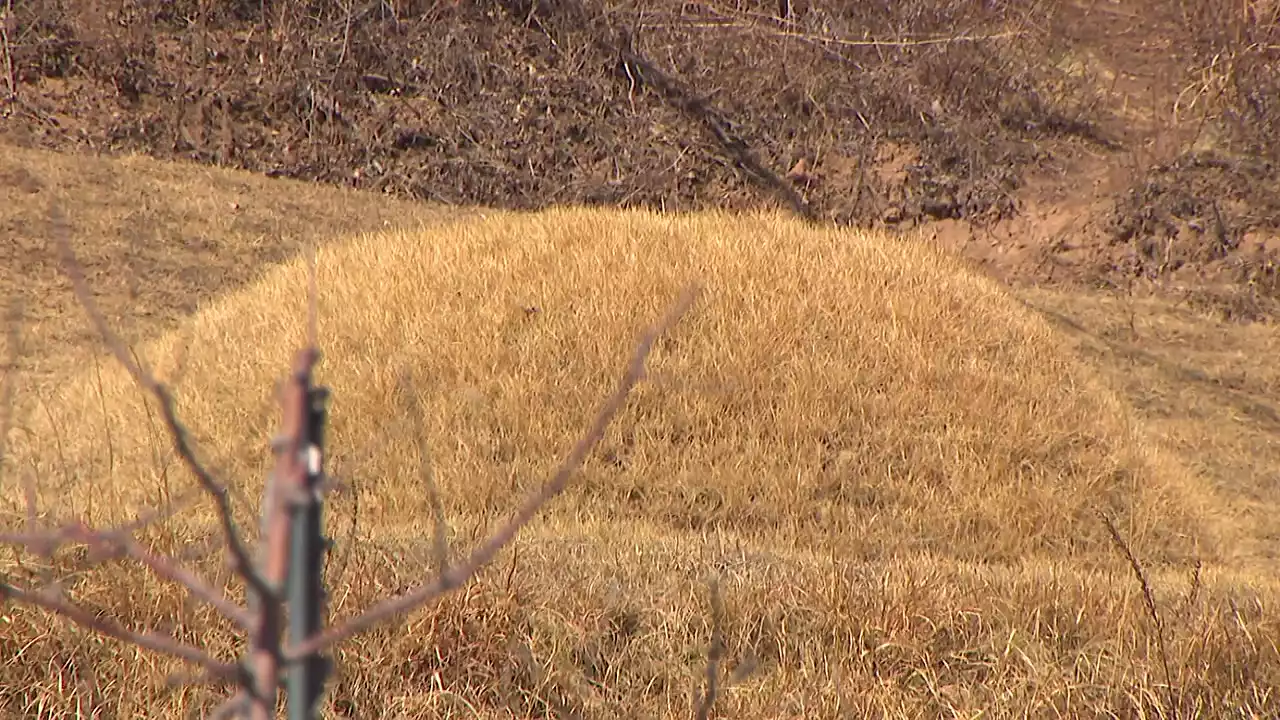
(305, 679)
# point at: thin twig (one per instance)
(10, 73)
(900, 44)
(243, 565)
(46, 542)
(155, 642)
(114, 543)
(346, 41)
(459, 574)
(714, 655)
(698, 108)
(715, 687)
(1149, 599)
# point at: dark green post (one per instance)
(305, 678)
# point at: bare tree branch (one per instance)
(700, 110)
(1149, 598)
(714, 655)
(155, 642)
(242, 562)
(111, 543)
(6, 49)
(715, 687)
(43, 542)
(458, 575)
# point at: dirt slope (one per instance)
(1188, 202)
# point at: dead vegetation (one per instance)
(1209, 199)
(977, 577)
(903, 520)
(522, 105)
(892, 114)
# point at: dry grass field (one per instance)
(1043, 292)
(891, 464)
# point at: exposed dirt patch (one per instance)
(1190, 204)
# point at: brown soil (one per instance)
(1190, 203)
(1129, 144)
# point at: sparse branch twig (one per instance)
(1149, 599)
(714, 655)
(6, 48)
(459, 574)
(242, 563)
(156, 642)
(697, 107)
(45, 543)
(116, 543)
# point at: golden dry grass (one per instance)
(1208, 391)
(892, 465)
(158, 239)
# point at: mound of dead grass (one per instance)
(828, 385)
(895, 467)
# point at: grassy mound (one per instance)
(829, 388)
(882, 451)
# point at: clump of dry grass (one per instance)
(893, 467)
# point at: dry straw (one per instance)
(893, 468)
